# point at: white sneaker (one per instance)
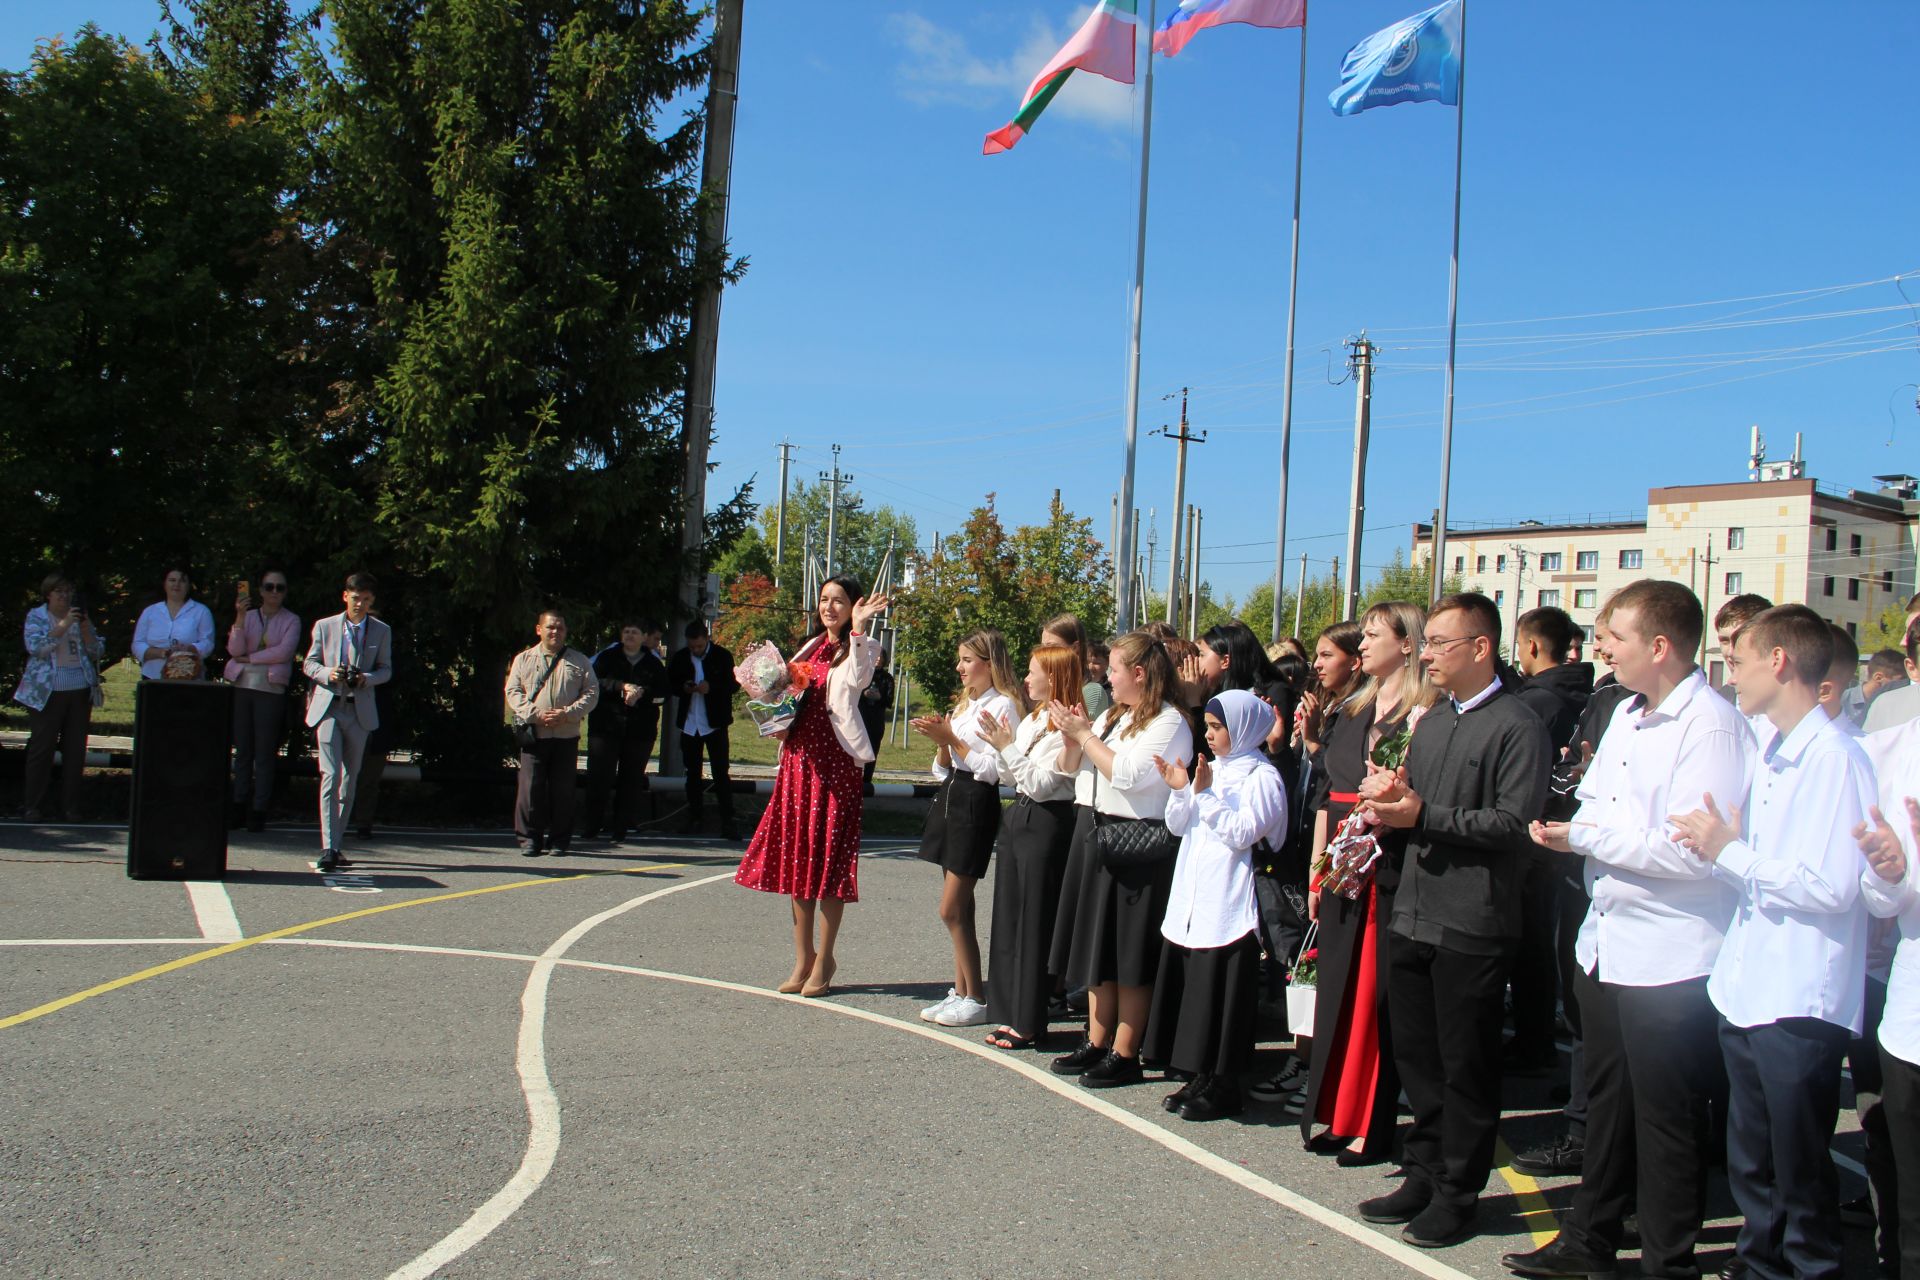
(933, 1011)
(965, 1011)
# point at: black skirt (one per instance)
(962, 822)
(1026, 899)
(1079, 844)
(1116, 923)
(1204, 1007)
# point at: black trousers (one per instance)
(62, 723)
(617, 768)
(543, 814)
(1447, 1009)
(715, 746)
(1900, 1083)
(1535, 979)
(1783, 1100)
(1571, 890)
(259, 723)
(1870, 1103)
(1653, 1064)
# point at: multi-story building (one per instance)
(1847, 554)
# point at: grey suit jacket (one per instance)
(328, 649)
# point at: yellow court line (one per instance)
(1533, 1203)
(64, 1002)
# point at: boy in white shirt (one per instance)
(1790, 979)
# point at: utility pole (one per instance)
(834, 480)
(780, 520)
(1299, 595)
(1335, 581)
(1360, 361)
(1182, 439)
(1153, 551)
(1706, 610)
(1193, 577)
(696, 423)
(1519, 573)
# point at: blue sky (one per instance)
(958, 323)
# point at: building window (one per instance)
(1736, 584)
(1886, 579)
(1587, 631)
(1717, 674)
(1549, 599)
(1853, 544)
(1736, 539)
(1499, 564)
(1586, 561)
(1499, 598)
(1459, 564)
(1479, 564)
(1550, 562)
(1586, 597)
(1853, 630)
(1853, 588)
(1629, 559)
(1833, 542)
(1826, 587)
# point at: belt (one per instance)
(1344, 797)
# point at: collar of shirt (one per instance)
(1672, 705)
(1782, 752)
(1461, 708)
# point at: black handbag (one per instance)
(1128, 844)
(523, 735)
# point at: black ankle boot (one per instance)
(1194, 1085)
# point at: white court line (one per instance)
(213, 910)
(543, 1108)
(101, 942)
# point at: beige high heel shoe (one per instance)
(794, 984)
(820, 981)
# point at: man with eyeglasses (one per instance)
(1474, 777)
(260, 649)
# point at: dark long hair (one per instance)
(1248, 666)
(851, 585)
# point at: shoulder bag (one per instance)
(1126, 844)
(523, 735)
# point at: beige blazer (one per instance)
(844, 685)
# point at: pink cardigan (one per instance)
(845, 683)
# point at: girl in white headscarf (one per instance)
(1204, 999)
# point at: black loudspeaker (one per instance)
(182, 737)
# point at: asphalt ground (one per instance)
(453, 1061)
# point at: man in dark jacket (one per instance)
(1556, 690)
(701, 677)
(623, 726)
(1475, 776)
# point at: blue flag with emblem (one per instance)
(1417, 60)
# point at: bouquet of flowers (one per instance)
(1352, 856)
(774, 687)
(1303, 981)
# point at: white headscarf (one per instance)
(1248, 721)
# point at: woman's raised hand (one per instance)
(997, 732)
(935, 727)
(866, 608)
(1172, 771)
(1071, 721)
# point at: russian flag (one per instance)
(1190, 17)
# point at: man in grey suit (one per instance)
(349, 654)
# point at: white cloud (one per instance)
(939, 67)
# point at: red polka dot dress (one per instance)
(808, 841)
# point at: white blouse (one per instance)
(982, 761)
(157, 630)
(1032, 760)
(1136, 789)
(1211, 903)
(1896, 758)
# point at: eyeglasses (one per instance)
(1429, 645)
(273, 586)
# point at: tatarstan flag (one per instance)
(1103, 45)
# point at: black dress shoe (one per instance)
(326, 862)
(1561, 1159)
(1219, 1099)
(1401, 1206)
(1178, 1098)
(1560, 1260)
(1437, 1226)
(1112, 1072)
(1361, 1159)
(534, 851)
(342, 860)
(1087, 1055)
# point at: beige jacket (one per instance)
(844, 685)
(573, 689)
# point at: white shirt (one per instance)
(1895, 754)
(1136, 789)
(1032, 760)
(1658, 914)
(1211, 903)
(697, 725)
(981, 760)
(1797, 947)
(1893, 708)
(157, 630)
(1844, 723)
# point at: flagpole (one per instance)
(1438, 564)
(1293, 298)
(1143, 36)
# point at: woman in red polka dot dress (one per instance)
(808, 842)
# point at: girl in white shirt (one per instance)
(1115, 950)
(1034, 835)
(1205, 995)
(965, 815)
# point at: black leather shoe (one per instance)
(1437, 1226)
(1559, 1259)
(1178, 1098)
(342, 860)
(1087, 1055)
(1112, 1072)
(1401, 1206)
(1219, 1099)
(1561, 1159)
(1361, 1159)
(534, 851)
(326, 862)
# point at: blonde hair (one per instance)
(1409, 622)
(991, 648)
(1141, 649)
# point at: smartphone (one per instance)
(246, 589)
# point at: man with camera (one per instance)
(350, 653)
